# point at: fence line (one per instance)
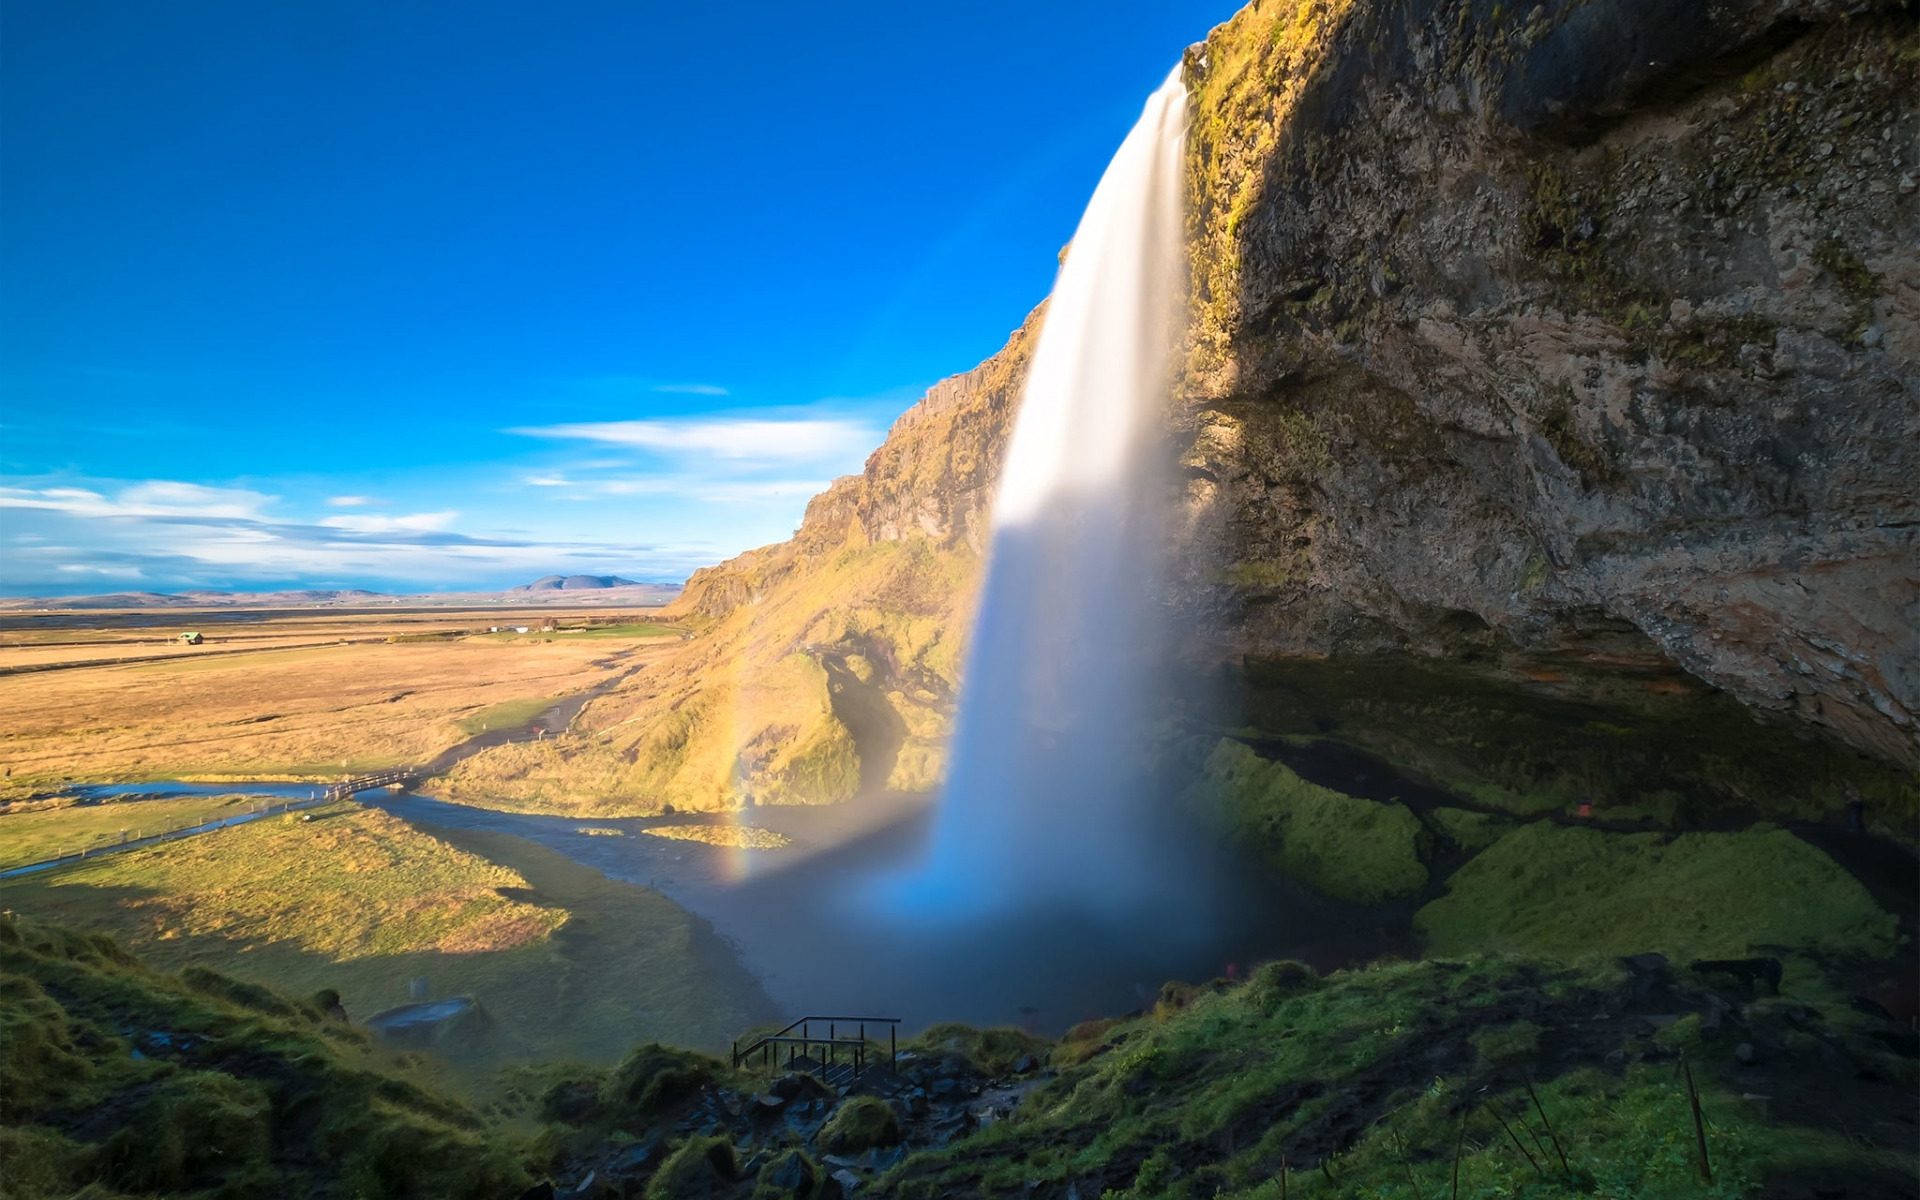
(327, 795)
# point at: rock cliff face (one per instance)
(820, 665)
(1598, 312)
(1568, 349)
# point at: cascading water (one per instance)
(1045, 799)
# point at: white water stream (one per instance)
(1044, 796)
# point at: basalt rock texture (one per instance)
(1525, 321)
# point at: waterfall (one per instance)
(1046, 800)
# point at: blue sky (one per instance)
(446, 296)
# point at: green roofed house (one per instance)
(191, 638)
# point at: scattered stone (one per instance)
(1743, 1054)
(848, 1181)
(791, 1172)
(1027, 1064)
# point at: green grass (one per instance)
(248, 1093)
(1209, 1098)
(567, 962)
(508, 714)
(42, 833)
(1474, 831)
(1570, 893)
(1347, 847)
(637, 629)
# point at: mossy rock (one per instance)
(1571, 893)
(990, 1051)
(1344, 846)
(860, 1124)
(791, 1175)
(702, 1166)
(653, 1079)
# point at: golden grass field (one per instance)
(568, 963)
(355, 702)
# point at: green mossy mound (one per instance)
(652, 1080)
(1572, 893)
(1348, 848)
(860, 1124)
(994, 1051)
(703, 1166)
(119, 1079)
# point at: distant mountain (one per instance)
(567, 589)
(574, 583)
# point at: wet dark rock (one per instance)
(848, 1181)
(799, 1086)
(1744, 1054)
(792, 1172)
(1751, 972)
(1027, 1064)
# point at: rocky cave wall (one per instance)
(1598, 315)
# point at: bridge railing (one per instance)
(839, 1054)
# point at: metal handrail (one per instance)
(766, 1046)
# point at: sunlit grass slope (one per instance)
(565, 961)
(819, 666)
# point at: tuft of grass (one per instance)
(1347, 847)
(1572, 893)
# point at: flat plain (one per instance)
(303, 696)
(566, 962)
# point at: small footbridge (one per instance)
(839, 1057)
(393, 777)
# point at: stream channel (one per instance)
(798, 918)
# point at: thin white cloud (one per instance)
(691, 389)
(804, 440)
(351, 501)
(408, 523)
(154, 498)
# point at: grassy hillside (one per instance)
(126, 1082)
(565, 961)
(818, 666)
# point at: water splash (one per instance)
(1045, 798)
